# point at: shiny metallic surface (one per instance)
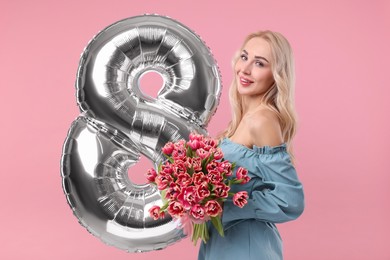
(119, 122)
(116, 58)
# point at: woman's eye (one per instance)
(259, 63)
(244, 57)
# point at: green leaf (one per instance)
(231, 194)
(205, 233)
(200, 231)
(196, 233)
(164, 207)
(236, 181)
(163, 194)
(203, 164)
(188, 151)
(233, 165)
(217, 223)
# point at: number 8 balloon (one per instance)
(118, 123)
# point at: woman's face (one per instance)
(253, 68)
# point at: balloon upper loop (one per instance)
(119, 55)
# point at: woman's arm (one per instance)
(277, 194)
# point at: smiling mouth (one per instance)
(245, 81)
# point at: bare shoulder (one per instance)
(264, 128)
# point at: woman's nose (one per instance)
(246, 68)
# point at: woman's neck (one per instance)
(251, 104)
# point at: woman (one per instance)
(259, 138)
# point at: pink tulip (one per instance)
(179, 154)
(242, 174)
(187, 197)
(168, 148)
(188, 162)
(173, 191)
(184, 179)
(155, 213)
(197, 164)
(218, 154)
(226, 168)
(194, 144)
(167, 168)
(213, 165)
(221, 190)
(175, 209)
(151, 175)
(202, 153)
(163, 181)
(199, 177)
(213, 208)
(194, 136)
(180, 144)
(179, 168)
(240, 199)
(197, 211)
(210, 143)
(214, 177)
(202, 190)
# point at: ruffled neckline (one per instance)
(257, 149)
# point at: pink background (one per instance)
(342, 147)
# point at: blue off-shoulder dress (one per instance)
(275, 196)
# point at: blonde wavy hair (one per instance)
(279, 97)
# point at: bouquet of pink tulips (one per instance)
(194, 182)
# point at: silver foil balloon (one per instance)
(118, 123)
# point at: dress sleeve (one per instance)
(275, 194)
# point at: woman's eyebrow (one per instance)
(257, 57)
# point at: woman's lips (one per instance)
(245, 82)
